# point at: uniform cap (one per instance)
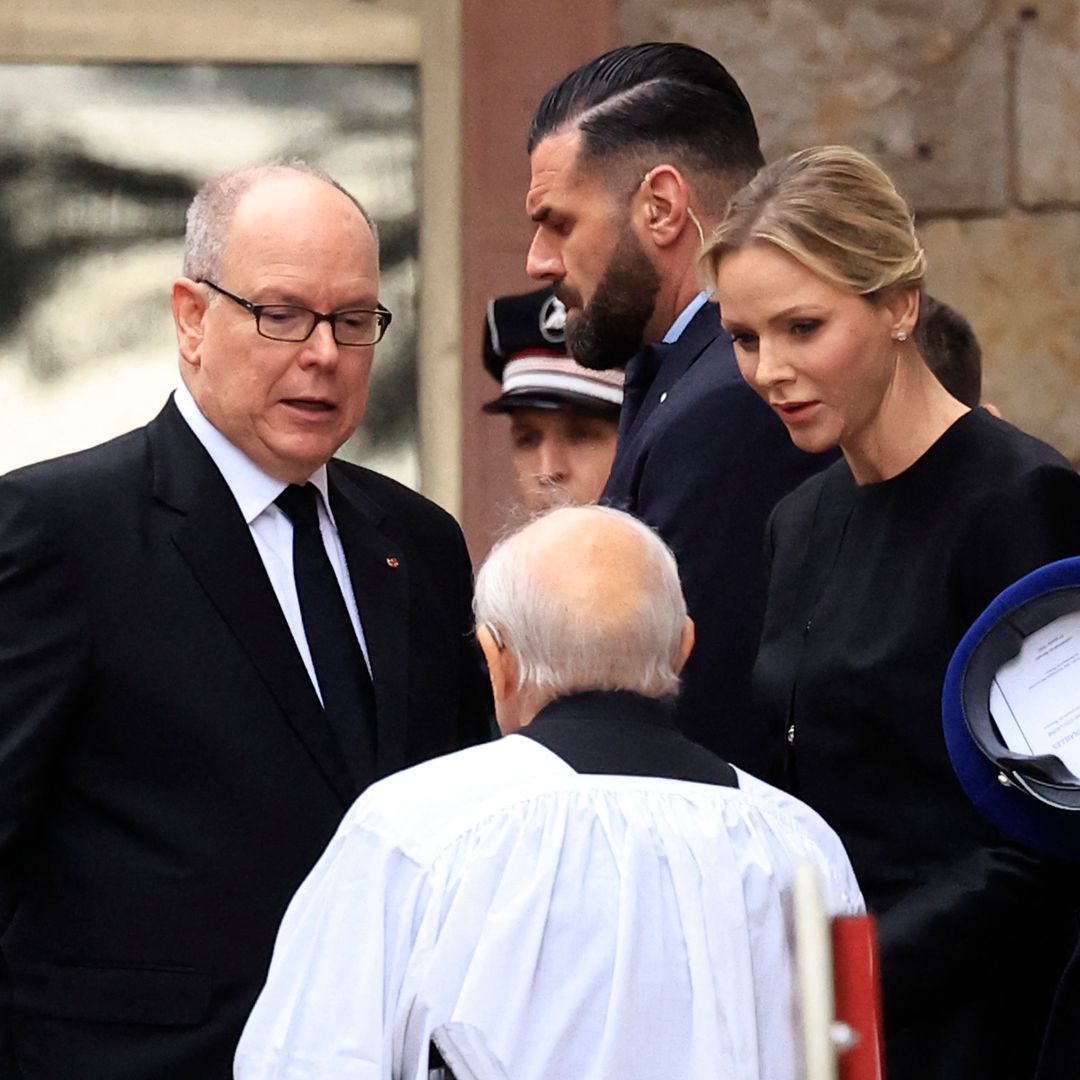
(525, 349)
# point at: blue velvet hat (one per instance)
(1032, 797)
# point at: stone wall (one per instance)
(974, 108)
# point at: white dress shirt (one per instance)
(583, 927)
(272, 531)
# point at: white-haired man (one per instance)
(593, 896)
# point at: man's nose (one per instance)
(554, 462)
(544, 261)
(320, 347)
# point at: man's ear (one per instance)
(686, 645)
(502, 668)
(189, 305)
(663, 200)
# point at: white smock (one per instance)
(576, 926)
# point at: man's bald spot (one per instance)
(210, 215)
(281, 196)
(591, 562)
(584, 598)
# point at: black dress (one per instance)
(870, 591)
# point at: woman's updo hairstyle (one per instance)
(835, 211)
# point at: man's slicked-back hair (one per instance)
(664, 101)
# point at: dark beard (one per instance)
(611, 327)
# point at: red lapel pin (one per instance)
(392, 562)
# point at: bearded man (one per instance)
(633, 156)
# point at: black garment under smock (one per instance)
(870, 590)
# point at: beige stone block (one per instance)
(207, 31)
(1048, 104)
(1017, 279)
(920, 85)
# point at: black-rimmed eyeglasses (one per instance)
(290, 322)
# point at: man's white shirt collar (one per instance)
(688, 312)
(253, 489)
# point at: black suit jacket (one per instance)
(703, 460)
(166, 775)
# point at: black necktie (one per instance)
(347, 694)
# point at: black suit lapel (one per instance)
(641, 373)
(380, 580)
(216, 543)
(674, 359)
(651, 374)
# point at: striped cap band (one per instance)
(540, 370)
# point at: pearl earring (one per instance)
(900, 335)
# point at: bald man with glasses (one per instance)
(213, 637)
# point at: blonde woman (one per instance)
(877, 567)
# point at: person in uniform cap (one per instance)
(563, 417)
(592, 896)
